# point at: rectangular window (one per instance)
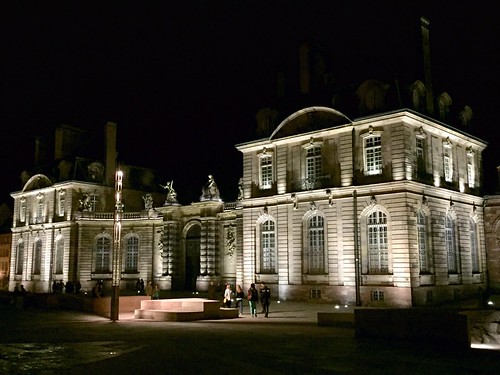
(373, 155)
(268, 245)
(103, 255)
(61, 204)
(59, 257)
(132, 254)
(39, 212)
(447, 168)
(22, 211)
(266, 172)
(37, 257)
(20, 259)
(377, 295)
(451, 249)
(420, 156)
(473, 246)
(313, 163)
(422, 242)
(471, 176)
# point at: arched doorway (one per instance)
(192, 257)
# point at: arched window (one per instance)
(103, 255)
(37, 257)
(132, 254)
(378, 253)
(314, 250)
(268, 247)
(451, 244)
(20, 258)
(59, 257)
(474, 253)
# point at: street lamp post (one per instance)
(117, 233)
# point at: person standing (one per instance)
(156, 292)
(265, 299)
(253, 298)
(228, 293)
(239, 299)
(149, 290)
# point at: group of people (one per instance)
(153, 292)
(59, 286)
(253, 296)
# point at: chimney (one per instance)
(429, 97)
(111, 154)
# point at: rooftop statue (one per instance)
(148, 201)
(171, 194)
(210, 192)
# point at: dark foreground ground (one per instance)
(34, 341)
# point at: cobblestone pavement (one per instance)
(288, 342)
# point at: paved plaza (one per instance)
(288, 342)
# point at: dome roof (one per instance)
(309, 119)
(38, 181)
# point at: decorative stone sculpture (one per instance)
(171, 194)
(240, 189)
(210, 192)
(148, 201)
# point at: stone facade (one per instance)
(349, 213)
(381, 211)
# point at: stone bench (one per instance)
(183, 310)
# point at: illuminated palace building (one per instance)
(379, 208)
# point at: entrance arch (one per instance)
(192, 261)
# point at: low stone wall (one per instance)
(436, 326)
(102, 306)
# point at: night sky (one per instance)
(184, 82)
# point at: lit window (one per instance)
(22, 210)
(378, 254)
(420, 151)
(377, 295)
(266, 171)
(61, 202)
(37, 257)
(94, 202)
(447, 161)
(103, 255)
(373, 155)
(451, 244)
(132, 254)
(471, 173)
(313, 163)
(315, 249)
(39, 218)
(474, 246)
(268, 247)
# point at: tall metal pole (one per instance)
(117, 234)
(357, 265)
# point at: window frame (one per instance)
(268, 263)
(102, 254)
(314, 244)
(131, 256)
(266, 171)
(372, 153)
